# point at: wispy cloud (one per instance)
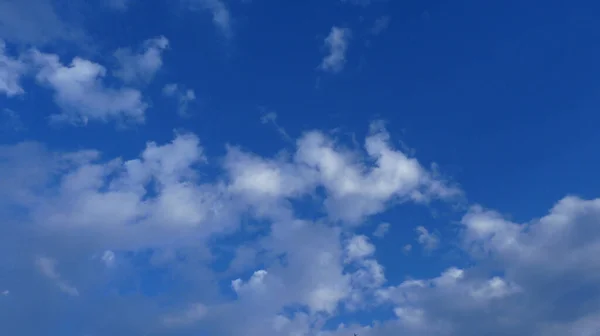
(381, 230)
(270, 117)
(184, 97)
(47, 266)
(337, 45)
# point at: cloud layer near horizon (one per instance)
(81, 222)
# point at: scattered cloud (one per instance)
(47, 266)
(381, 230)
(141, 66)
(108, 258)
(184, 97)
(81, 93)
(337, 45)
(270, 117)
(173, 241)
(429, 241)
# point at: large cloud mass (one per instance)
(81, 227)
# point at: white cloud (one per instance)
(128, 204)
(82, 94)
(537, 278)
(11, 70)
(140, 66)
(183, 97)
(5, 292)
(353, 191)
(337, 45)
(429, 241)
(108, 258)
(47, 266)
(359, 247)
(381, 230)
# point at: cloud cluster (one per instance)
(160, 201)
(534, 278)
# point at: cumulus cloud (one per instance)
(337, 44)
(140, 66)
(359, 247)
(353, 191)
(535, 278)
(80, 90)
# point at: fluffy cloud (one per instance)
(81, 92)
(353, 190)
(141, 66)
(537, 278)
(337, 44)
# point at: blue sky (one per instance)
(259, 167)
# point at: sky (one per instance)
(323, 168)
